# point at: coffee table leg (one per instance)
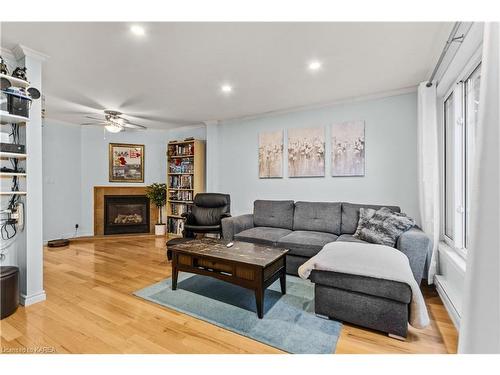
(283, 283)
(175, 273)
(259, 299)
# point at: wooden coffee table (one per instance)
(248, 265)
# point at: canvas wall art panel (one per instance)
(306, 152)
(348, 148)
(271, 154)
(126, 162)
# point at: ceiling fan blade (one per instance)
(95, 118)
(132, 101)
(93, 123)
(131, 125)
(164, 119)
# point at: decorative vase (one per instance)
(160, 229)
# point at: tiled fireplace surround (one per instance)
(101, 191)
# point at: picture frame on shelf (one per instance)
(126, 162)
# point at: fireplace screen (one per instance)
(126, 214)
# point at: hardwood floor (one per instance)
(90, 309)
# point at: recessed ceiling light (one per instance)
(226, 89)
(137, 30)
(314, 65)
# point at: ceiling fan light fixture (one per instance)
(113, 127)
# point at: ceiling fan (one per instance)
(113, 122)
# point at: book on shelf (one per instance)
(181, 166)
(181, 149)
(178, 209)
(175, 225)
(180, 195)
(180, 182)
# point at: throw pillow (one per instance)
(385, 226)
(365, 214)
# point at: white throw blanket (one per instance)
(379, 261)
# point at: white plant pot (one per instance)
(160, 229)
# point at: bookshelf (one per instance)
(185, 179)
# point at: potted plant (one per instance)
(157, 194)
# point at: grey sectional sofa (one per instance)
(304, 228)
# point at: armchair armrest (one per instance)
(416, 245)
(225, 214)
(236, 224)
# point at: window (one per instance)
(449, 182)
(460, 109)
(471, 115)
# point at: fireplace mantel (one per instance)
(101, 191)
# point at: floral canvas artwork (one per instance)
(306, 152)
(271, 154)
(348, 148)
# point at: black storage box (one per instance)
(19, 105)
(9, 290)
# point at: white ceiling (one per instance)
(173, 74)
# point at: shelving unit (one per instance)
(25, 249)
(16, 81)
(7, 118)
(185, 179)
(12, 155)
(10, 174)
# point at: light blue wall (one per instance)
(391, 150)
(61, 179)
(95, 168)
(75, 159)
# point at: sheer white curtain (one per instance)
(428, 175)
(480, 322)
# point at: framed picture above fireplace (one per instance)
(126, 162)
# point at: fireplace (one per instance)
(126, 214)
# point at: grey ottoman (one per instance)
(378, 304)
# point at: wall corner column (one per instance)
(30, 257)
(212, 156)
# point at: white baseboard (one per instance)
(440, 283)
(32, 299)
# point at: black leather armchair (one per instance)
(207, 211)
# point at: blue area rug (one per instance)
(289, 322)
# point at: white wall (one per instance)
(391, 149)
(61, 179)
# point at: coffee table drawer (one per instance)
(213, 265)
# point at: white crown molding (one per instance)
(21, 51)
(7, 53)
(379, 95)
(187, 127)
